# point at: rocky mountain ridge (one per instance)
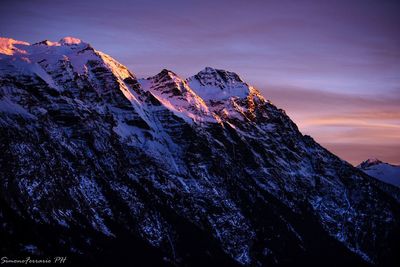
(186, 172)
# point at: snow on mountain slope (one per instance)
(72, 50)
(175, 94)
(196, 172)
(225, 93)
(383, 171)
(45, 57)
(214, 84)
(10, 46)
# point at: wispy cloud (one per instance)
(347, 124)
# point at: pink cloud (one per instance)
(346, 124)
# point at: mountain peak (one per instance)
(70, 41)
(167, 72)
(44, 42)
(47, 43)
(217, 84)
(218, 74)
(165, 76)
(383, 171)
(7, 45)
(369, 162)
(175, 94)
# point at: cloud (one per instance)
(360, 152)
(344, 122)
(305, 100)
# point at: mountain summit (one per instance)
(383, 171)
(113, 170)
(214, 84)
(70, 41)
(369, 162)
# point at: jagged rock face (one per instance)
(164, 170)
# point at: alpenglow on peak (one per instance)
(217, 84)
(68, 40)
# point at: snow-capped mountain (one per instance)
(203, 171)
(383, 171)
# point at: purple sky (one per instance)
(334, 66)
